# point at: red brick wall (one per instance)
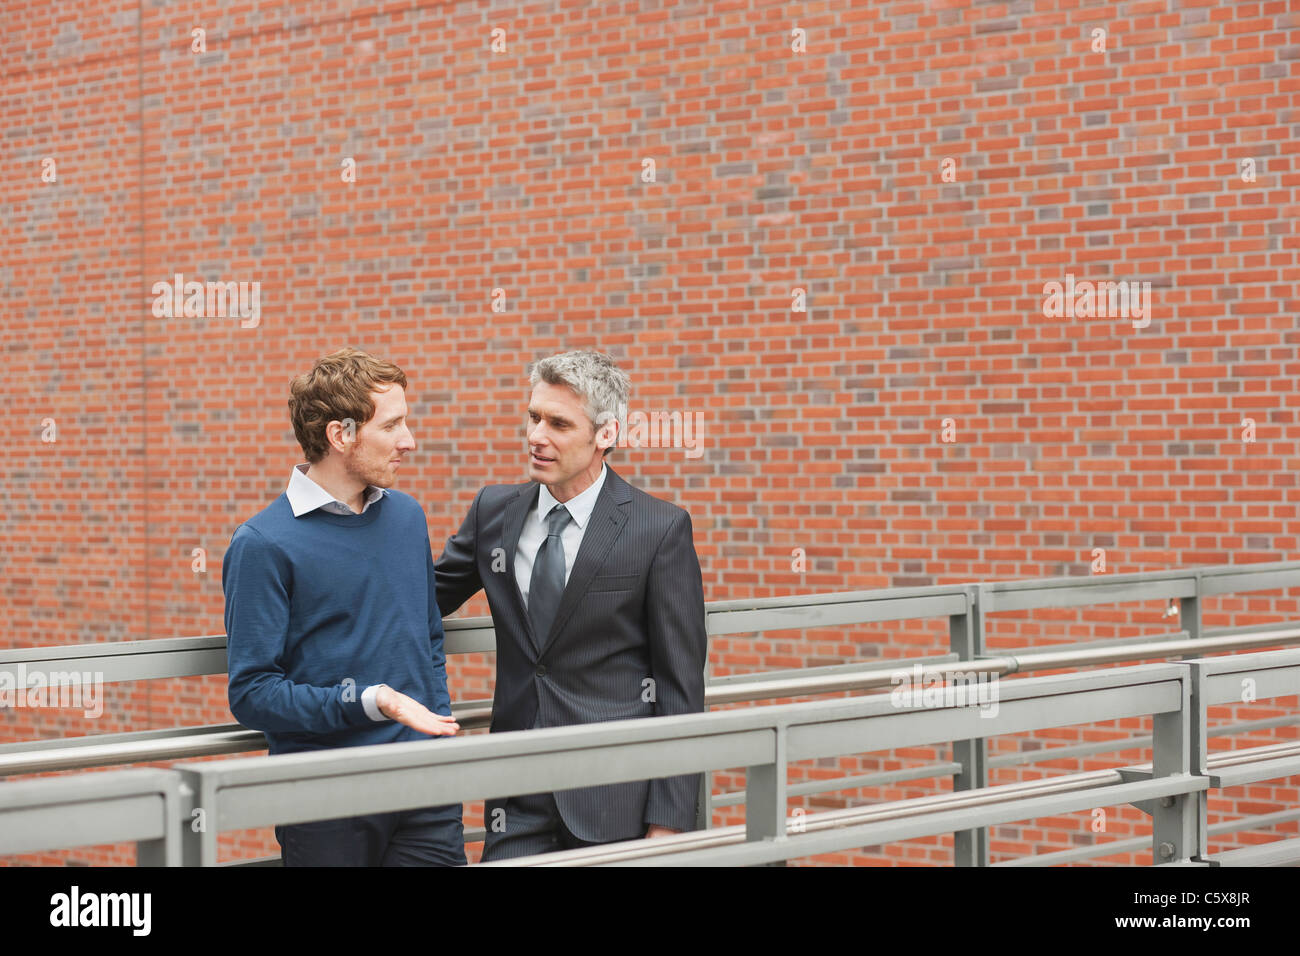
(775, 170)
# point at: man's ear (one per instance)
(607, 433)
(341, 434)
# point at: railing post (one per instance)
(704, 799)
(704, 802)
(966, 639)
(1176, 836)
(1199, 751)
(1189, 611)
(765, 796)
(167, 850)
(197, 823)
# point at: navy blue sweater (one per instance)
(320, 607)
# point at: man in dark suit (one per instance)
(598, 606)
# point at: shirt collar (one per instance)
(305, 495)
(579, 506)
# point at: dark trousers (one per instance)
(522, 826)
(432, 836)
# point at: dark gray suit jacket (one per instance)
(633, 609)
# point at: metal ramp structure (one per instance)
(176, 815)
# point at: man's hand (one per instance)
(657, 831)
(412, 713)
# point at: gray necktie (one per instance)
(546, 586)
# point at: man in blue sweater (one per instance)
(333, 631)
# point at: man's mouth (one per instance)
(542, 460)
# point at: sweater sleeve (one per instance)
(257, 581)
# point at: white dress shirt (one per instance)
(305, 495)
(534, 531)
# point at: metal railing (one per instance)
(260, 791)
(965, 606)
(124, 805)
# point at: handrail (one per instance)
(256, 791)
(138, 805)
(84, 752)
(965, 605)
(197, 656)
(816, 822)
(247, 792)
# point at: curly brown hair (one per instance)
(337, 388)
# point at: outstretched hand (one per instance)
(412, 713)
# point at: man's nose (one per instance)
(407, 441)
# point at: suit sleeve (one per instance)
(441, 694)
(456, 570)
(257, 581)
(678, 653)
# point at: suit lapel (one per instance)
(603, 528)
(515, 514)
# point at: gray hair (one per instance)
(599, 382)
